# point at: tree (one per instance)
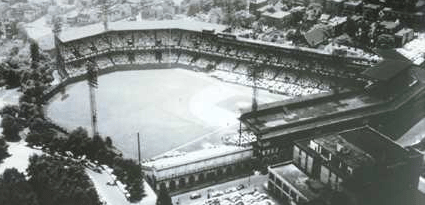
(108, 142)
(163, 197)
(12, 110)
(10, 128)
(243, 18)
(194, 8)
(59, 181)
(15, 189)
(3, 149)
(130, 173)
(35, 54)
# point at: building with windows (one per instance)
(361, 162)
(403, 36)
(352, 7)
(371, 11)
(288, 183)
(181, 172)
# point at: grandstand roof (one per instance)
(270, 117)
(194, 157)
(95, 29)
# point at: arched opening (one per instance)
(162, 186)
(219, 173)
(201, 177)
(210, 176)
(182, 182)
(172, 185)
(191, 179)
(229, 171)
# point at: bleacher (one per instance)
(231, 62)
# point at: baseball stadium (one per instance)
(185, 79)
(187, 85)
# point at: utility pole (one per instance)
(138, 149)
(92, 73)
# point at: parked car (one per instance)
(195, 195)
(217, 193)
(241, 186)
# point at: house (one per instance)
(275, 15)
(317, 35)
(371, 11)
(333, 6)
(389, 27)
(403, 36)
(337, 24)
(351, 7)
(278, 18)
(254, 5)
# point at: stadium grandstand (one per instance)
(206, 47)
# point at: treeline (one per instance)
(94, 148)
(18, 66)
(29, 114)
(3, 149)
(33, 77)
(51, 181)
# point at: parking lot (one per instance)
(247, 190)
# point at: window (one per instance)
(325, 154)
(285, 188)
(278, 182)
(309, 164)
(293, 195)
(303, 159)
(296, 155)
(324, 175)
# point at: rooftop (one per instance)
(389, 24)
(277, 14)
(393, 64)
(316, 35)
(353, 3)
(300, 181)
(371, 6)
(193, 157)
(404, 31)
(95, 29)
(351, 155)
(337, 20)
(380, 147)
(287, 113)
(258, 1)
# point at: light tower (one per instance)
(60, 63)
(255, 73)
(92, 73)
